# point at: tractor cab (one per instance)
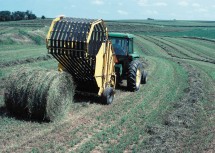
(123, 46)
(124, 51)
(122, 43)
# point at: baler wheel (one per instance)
(108, 95)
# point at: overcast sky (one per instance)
(117, 9)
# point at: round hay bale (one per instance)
(39, 93)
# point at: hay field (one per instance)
(173, 112)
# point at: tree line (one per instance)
(17, 15)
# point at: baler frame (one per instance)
(82, 48)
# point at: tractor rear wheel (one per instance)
(108, 95)
(134, 75)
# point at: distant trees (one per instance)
(43, 17)
(5, 16)
(17, 15)
(30, 15)
(150, 19)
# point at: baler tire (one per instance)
(107, 96)
(132, 83)
(144, 77)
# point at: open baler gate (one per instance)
(82, 49)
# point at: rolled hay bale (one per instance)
(39, 93)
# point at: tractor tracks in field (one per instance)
(169, 49)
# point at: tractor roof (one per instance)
(120, 35)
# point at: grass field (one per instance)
(173, 112)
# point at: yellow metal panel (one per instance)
(105, 71)
(91, 30)
(60, 67)
(99, 68)
(51, 28)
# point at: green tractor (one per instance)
(128, 66)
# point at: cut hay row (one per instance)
(200, 38)
(197, 52)
(170, 49)
(162, 46)
(200, 48)
(177, 132)
(25, 61)
(38, 93)
(149, 48)
(173, 51)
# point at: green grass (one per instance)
(23, 32)
(199, 48)
(22, 53)
(51, 64)
(202, 33)
(179, 49)
(122, 126)
(205, 116)
(130, 127)
(38, 40)
(171, 23)
(149, 48)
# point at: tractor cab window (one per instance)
(120, 45)
(130, 50)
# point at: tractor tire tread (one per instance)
(131, 78)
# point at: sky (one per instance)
(117, 9)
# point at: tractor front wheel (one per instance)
(108, 95)
(144, 77)
(134, 75)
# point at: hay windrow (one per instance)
(39, 93)
(181, 125)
